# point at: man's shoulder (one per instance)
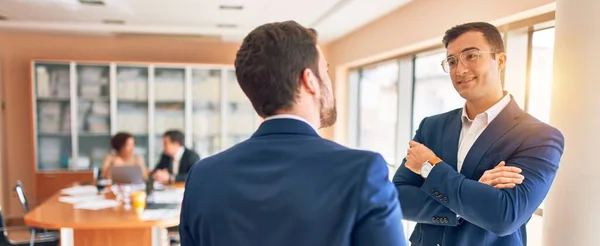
(324, 149)
(444, 116)
(531, 126)
(191, 152)
(337, 148)
(439, 119)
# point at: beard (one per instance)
(327, 108)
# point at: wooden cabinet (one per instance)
(49, 183)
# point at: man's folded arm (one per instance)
(501, 211)
(379, 217)
(417, 206)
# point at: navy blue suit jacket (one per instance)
(288, 186)
(489, 216)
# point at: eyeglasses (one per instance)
(467, 58)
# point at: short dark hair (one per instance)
(175, 136)
(489, 31)
(270, 63)
(119, 140)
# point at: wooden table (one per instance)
(107, 227)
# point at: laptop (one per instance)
(127, 174)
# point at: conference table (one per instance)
(115, 226)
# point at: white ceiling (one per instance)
(331, 18)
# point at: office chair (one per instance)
(44, 240)
(23, 199)
(21, 194)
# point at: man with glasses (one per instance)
(475, 175)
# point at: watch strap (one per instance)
(435, 160)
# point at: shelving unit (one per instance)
(80, 105)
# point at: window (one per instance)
(378, 109)
(433, 89)
(538, 102)
(541, 74)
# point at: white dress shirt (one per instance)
(176, 160)
(472, 128)
(291, 116)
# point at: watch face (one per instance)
(426, 168)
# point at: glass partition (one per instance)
(52, 83)
(169, 104)
(132, 105)
(93, 95)
(206, 111)
(241, 117)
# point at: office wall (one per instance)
(20, 48)
(418, 25)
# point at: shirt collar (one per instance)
(291, 116)
(491, 112)
(179, 154)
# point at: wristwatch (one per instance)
(428, 165)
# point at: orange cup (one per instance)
(138, 200)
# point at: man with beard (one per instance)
(286, 185)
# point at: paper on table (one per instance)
(80, 190)
(79, 199)
(96, 204)
(160, 214)
(168, 196)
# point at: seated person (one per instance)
(176, 160)
(123, 145)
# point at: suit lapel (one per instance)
(506, 120)
(450, 139)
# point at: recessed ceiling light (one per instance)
(231, 7)
(113, 22)
(226, 25)
(92, 2)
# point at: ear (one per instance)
(501, 57)
(308, 81)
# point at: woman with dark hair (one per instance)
(123, 145)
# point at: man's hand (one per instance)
(163, 176)
(417, 155)
(502, 177)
